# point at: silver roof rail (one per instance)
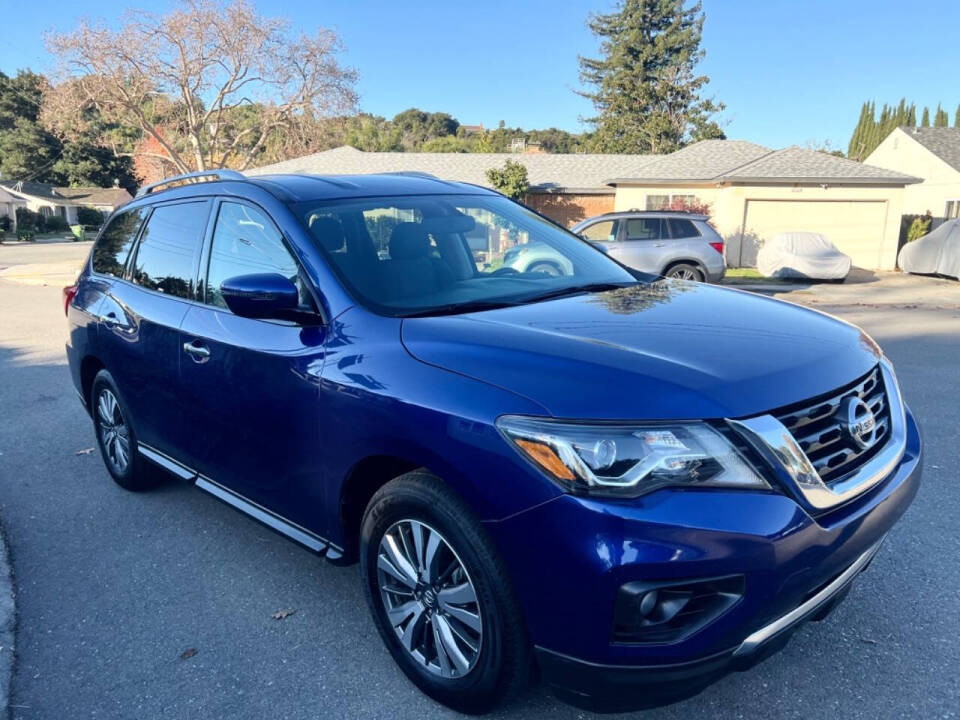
(214, 174)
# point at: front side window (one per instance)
(443, 254)
(113, 246)
(246, 242)
(605, 231)
(168, 248)
(645, 228)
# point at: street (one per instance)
(159, 604)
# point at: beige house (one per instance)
(755, 192)
(932, 154)
(62, 201)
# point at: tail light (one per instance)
(718, 246)
(69, 293)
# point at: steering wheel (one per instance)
(506, 270)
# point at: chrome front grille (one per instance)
(821, 434)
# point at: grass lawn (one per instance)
(745, 273)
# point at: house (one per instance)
(63, 201)
(932, 154)
(8, 208)
(565, 187)
(755, 192)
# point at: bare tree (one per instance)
(210, 82)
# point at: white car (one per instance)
(935, 254)
(806, 255)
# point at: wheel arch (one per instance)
(686, 261)
(89, 368)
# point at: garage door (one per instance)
(856, 227)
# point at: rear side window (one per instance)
(680, 228)
(168, 248)
(113, 246)
(645, 229)
(245, 242)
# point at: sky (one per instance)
(790, 72)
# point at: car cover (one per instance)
(937, 253)
(802, 255)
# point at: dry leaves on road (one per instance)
(188, 653)
(281, 614)
(85, 451)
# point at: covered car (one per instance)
(806, 255)
(937, 253)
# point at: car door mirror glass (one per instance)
(261, 295)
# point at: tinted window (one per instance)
(605, 231)
(645, 229)
(680, 228)
(166, 254)
(246, 241)
(113, 246)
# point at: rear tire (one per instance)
(469, 653)
(116, 437)
(684, 271)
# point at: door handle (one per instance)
(198, 353)
(659, 244)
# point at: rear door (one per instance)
(141, 314)
(642, 243)
(253, 385)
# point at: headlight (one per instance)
(629, 460)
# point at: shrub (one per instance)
(5, 224)
(27, 220)
(919, 227)
(55, 223)
(511, 179)
(89, 216)
(694, 205)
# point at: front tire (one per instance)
(440, 597)
(116, 436)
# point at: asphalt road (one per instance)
(159, 604)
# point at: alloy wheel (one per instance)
(429, 598)
(114, 433)
(683, 274)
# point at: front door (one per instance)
(641, 244)
(251, 386)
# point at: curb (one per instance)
(7, 622)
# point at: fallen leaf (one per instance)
(281, 614)
(188, 653)
(85, 451)
(868, 641)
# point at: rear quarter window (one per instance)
(113, 246)
(680, 228)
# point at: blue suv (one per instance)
(624, 485)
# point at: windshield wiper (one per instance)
(458, 308)
(576, 290)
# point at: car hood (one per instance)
(667, 350)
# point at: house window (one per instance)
(662, 202)
(953, 209)
(45, 211)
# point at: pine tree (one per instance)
(956, 118)
(925, 122)
(912, 116)
(644, 85)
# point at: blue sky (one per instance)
(790, 72)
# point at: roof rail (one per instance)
(215, 174)
(411, 173)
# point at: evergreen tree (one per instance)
(941, 119)
(925, 122)
(956, 118)
(644, 85)
(912, 115)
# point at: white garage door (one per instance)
(856, 227)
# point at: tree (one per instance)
(940, 118)
(956, 118)
(184, 78)
(925, 122)
(511, 179)
(644, 85)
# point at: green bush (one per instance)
(55, 223)
(5, 224)
(28, 221)
(919, 227)
(89, 216)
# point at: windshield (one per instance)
(443, 254)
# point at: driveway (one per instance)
(159, 604)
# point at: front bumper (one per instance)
(569, 556)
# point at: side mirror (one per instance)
(261, 295)
(600, 246)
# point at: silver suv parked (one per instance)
(673, 244)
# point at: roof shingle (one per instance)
(546, 172)
(942, 142)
